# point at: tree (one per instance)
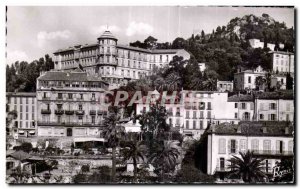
(289, 82)
(150, 42)
(164, 158)
(248, 167)
(260, 82)
(113, 132)
(101, 175)
(190, 174)
(210, 80)
(85, 168)
(135, 151)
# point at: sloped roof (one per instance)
(286, 95)
(19, 155)
(68, 76)
(240, 98)
(22, 94)
(107, 35)
(134, 48)
(254, 128)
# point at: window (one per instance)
(81, 96)
(194, 124)
(246, 116)
(288, 107)
(243, 145)
(209, 105)
(26, 108)
(201, 124)
(202, 105)
(187, 124)
(261, 116)
(222, 146)
(272, 106)
(80, 107)
(93, 119)
(267, 146)
(170, 122)
(235, 105)
(249, 79)
(70, 95)
(48, 106)
(254, 145)
(58, 119)
(80, 118)
(272, 117)
(232, 146)
(59, 96)
(279, 146)
(267, 166)
(201, 115)
(235, 115)
(208, 114)
(243, 106)
(187, 114)
(26, 100)
(194, 114)
(287, 117)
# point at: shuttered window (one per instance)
(222, 146)
(254, 145)
(243, 146)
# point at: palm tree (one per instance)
(165, 157)
(173, 82)
(134, 150)
(260, 81)
(114, 133)
(247, 166)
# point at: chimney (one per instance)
(286, 130)
(264, 129)
(239, 129)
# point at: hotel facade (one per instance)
(114, 63)
(69, 104)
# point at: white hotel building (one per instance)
(114, 63)
(268, 140)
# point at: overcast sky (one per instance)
(33, 32)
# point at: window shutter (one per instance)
(229, 143)
(269, 117)
(236, 147)
(277, 145)
(220, 145)
(251, 106)
(241, 105)
(290, 148)
(283, 146)
(218, 162)
(275, 106)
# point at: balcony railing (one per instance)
(273, 152)
(59, 112)
(222, 169)
(92, 112)
(80, 112)
(70, 124)
(69, 112)
(45, 98)
(45, 111)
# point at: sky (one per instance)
(35, 31)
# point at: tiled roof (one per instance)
(134, 48)
(254, 128)
(19, 155)
(67, 76)
(165, 51)
(282, 52)
(287, 95)
(240, 98)
(23, 94)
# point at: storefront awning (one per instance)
(88, 139)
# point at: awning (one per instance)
(21, 131)
(31, 132)
(88, 139)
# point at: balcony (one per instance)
(45, 111)
(222, 169)
(70, 124)
(92, 112)
(45, 98)
(273, 153)
(80, 112)
(59, 112)
(69, 112)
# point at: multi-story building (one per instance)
(223, 86)
(114, 63)
(243, 107)
(282, 61)
(270, 106)
(256, 43)
(245, 79)
(25, 106)
(268, 140)
(70, 104)
(194, 111)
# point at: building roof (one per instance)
(281, 52)
(165, 51)
(240, 98)
(68, 76)
(19, 155)
(286, 95)
(107, 35)
(254, 128)
(134, 48)
(20, 94)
